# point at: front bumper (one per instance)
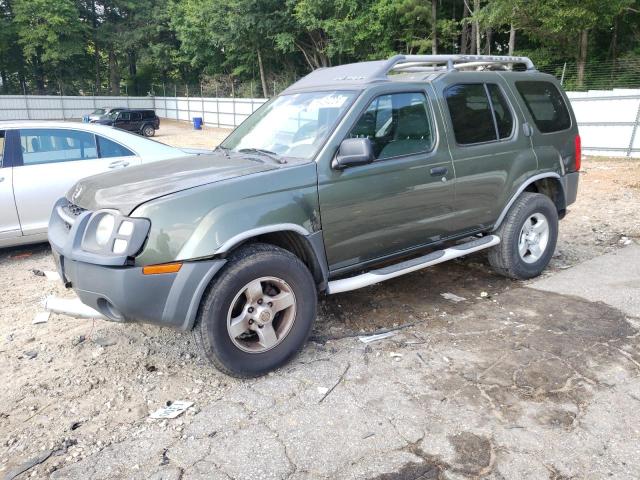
(123, 293)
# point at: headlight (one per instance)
(105, 229)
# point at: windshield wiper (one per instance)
(267, 153)
(224, 150)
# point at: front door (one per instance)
(53, 160)
(490, 149)
(9, 223)
(403, 199)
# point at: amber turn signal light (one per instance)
(163, 268)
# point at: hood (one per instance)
(125, 189)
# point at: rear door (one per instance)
(554, 140)
(9, 223)
(490, 148)
(52, 161)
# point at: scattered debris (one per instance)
(28, 465)
(421, 358)
(172, 410)
(31, 354)
(75, 425)
(395, 355)
(453, 297)
(37, 273)
(368, 435)
(41, 317)
(78, 340)
(104, 342)
(484, 294)
(70, 306)
(336, 384)
(52, 276)
(322, 390)
(376, 337)
(150, 368)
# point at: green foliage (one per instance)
(108, 45)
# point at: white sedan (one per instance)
(40, 161)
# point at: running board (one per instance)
(408, 266)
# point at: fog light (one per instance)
(120, 246)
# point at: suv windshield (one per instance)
(293, 125)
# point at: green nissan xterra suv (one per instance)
(353, 175)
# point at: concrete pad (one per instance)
(613, 278)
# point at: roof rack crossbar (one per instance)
(427, 63)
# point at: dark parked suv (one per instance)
(144, 122)
(354, 175)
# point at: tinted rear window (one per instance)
(546, 105)
(148, 114)
(470, 113)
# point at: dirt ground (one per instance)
(509, 383)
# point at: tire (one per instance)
(226, 310)
(148, 131)
(518, 231)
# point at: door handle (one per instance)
(439, 171)
(118, 163)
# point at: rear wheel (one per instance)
(258, 312)
(148, 131)
(528, 237)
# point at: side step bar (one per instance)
(408, 266)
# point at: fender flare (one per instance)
(254, 232)
(521, 189)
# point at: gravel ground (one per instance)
(509, 383)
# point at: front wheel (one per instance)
(148, 131)
(528, 237)
(258, 312)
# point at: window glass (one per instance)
(1, 146)
(148, 114)
(504, 120)
(397, 124)
(293, 125)
(470, 113)
(546, 105)
(136, 116)
(56, 145)
(110, 149)
(126, 116)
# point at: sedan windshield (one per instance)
(293, 125)
(99, 111)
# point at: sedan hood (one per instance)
(125, 189)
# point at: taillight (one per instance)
(578, 144)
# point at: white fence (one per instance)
(215, 112)
(609, 120)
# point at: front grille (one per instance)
(69, 212)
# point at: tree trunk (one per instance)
(263, 77)
(464, 37)
(434, 27)
(582, 56)
(96, 51)
(114, 74)
(5, 85)
(487, 45)
(38, 74)
(512, 39)
(476, 24)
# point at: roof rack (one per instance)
(432, 63)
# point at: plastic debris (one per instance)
(172, 410)
(72, 307)
(322, 390)
(41, 317)
(52, 276)
(396, 356)
(376, 337)
(453, 297)
(484, 294)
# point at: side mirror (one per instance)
(353, 152)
